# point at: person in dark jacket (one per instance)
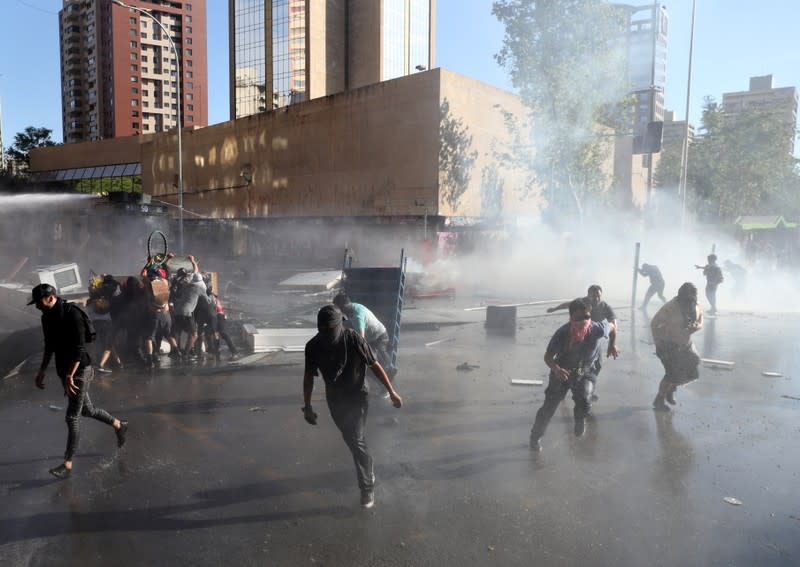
(65, 337)
(342, 356)
(656, 284)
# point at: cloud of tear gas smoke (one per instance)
(534, 262)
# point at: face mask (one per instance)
(578, 330)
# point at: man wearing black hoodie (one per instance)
(64, 335)
(341, 356)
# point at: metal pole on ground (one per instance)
(635, 275)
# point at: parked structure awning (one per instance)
(98, 172)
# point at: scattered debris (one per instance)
(258, 408)
(55, 407)
(517, 382)
(467, 367)
(790, 397)
(732, 501)
(718, 362)
(772, 374)
(490, 547)
(440, 341)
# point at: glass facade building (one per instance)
(287, 51)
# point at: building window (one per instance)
(134, 102)
(146, 104)
(145, 69)
(134, 79)
(189, 96)
(188, 41)
(188, 19)
(135, 113)
(190, 86)
(189, 74)
(188, 62)
(134, 68)
(190, 107)
(133, 21)
(189, 52)
(134, 56)
(132, 33)
(134, 90)
(145, 93)
(144, 35)
(134, 45)
(134, 124)
(144, 23)
(188, 29)
(188, 7)
(190, 118)
(144, 58)
(146, 127)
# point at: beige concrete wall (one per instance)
(480, 107)
(88, 154)
(366, 47)
(326, 42)
(371, 151)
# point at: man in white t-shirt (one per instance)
(366, 324)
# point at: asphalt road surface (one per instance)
(221, 469)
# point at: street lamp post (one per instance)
(180, 104)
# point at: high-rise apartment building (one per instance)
(287, 51)
(763, 96)
(119, 73)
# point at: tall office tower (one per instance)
(763, 96)
(287, 51)
(119, 72)
(645, 44)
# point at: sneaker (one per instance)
(536, 444)
(367, 498)
(580, 427)
(235, 356)
(103, 370)
(659, 405)
(174, 353)
(121, 433)
(670, 397)
(61, 471)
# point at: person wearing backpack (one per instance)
(713, 274)
(67, 329)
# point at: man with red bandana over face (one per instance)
(572, 355)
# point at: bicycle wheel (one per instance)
(157, 247)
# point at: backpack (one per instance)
(89, 334)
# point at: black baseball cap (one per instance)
(41, 291)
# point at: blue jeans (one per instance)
(81, 405)
(349, 413)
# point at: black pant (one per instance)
(651, 291)
(582, 387)
(81, 405)
(711, 295)
(349, 413)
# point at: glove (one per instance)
(309, 415)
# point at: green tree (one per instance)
(740, 165)
(27, 140)
(455, 157)
(565, 60)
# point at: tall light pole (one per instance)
(682, 183)
(179, 78)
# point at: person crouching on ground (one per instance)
(572, 355)
(673, 326)
(64, 335)
(341, 356)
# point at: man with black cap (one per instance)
(673, 326)
(65, 337)
(341, 356)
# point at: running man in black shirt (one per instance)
(341, 356)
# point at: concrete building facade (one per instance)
(119, 74)
(288, 51)
(763, 96)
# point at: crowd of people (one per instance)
(133, 317)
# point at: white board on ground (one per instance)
(518, 382)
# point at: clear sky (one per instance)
(734, 40)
